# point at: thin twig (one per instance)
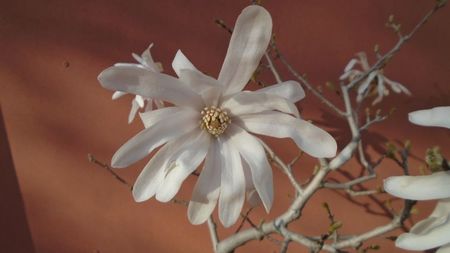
(213, 233)
(92, 159)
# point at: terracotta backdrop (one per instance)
(55, 113)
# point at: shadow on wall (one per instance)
(15, 235)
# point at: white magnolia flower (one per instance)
(350, 73)
(435, 230)
(211, 120)
(145, 61)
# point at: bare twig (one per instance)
(92, 159)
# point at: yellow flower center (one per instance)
(214, 120)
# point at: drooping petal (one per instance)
(434, 186)
(152, 176)
(207, 189)
(380, 89)
(133, 111)
(253, 153)
(437, 116)
(429, 233)
(311, 139)
(232, 184)
(182, 62)
(149, 84)
(149, 118)
(350, 65)
(251, 102)
(150, 138)
(185, 161)
(363, 60)
(251, 35)
(290, 90)
(251, 193)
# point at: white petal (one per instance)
(181, 62)
(147, 60)
(363, 87)
(380, 89)
(140, 101)
(252, 195)
(149, 118)
(207, 188)
(186, 160)
(208, 87)
(311, 139)
(153, 173)
(133, 111)
(150, 85)
(118, 94)
(437, 116)
(255, 156)
(350, 65)
(232, 184)
(290, 90)
(434, 186)
(429, 233)
(363, 60)
(248, 102)
(444, 249)
(251, 35)
(150, 138)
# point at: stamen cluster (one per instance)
(214, 120)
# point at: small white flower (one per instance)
(435, 230)
(145, 61)
(350, 73)
(210, 121)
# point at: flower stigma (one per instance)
(214, 120)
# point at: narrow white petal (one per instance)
(380, 89)
(350, 65)
(151, 177)
(363, 60)
(437, 116)
(363, 87)
(207, 189)
(251, 35)
(251, 193)
(290, 90)
(189, 156)
(182, 62)
(133, 111)
(232, 184)
(140, 101)
(248, 102)
(150, 138)
(149, 118)
(433, 238)
(441, 211)
(311, 139)
(434, 186)
(444, 249)
(253, 153)
(149, 84)
(118, 94)
(147, 60)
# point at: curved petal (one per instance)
(442, 209)
(363, 60)
(253, 153)
(207, 188)
(350, 65)
(150, 138)
(434, 186)
(311, 139)
(153, 173)
(380, 89)
(363, 87)
(396, 86)
(248, 102)
(150, 118)
(251, 35)
(252, 195)
(290, 90)
(149, 84)
(431, 238)
(437, 116)
(118, 94)
(185, 161)
(133, 111)
(232, 184)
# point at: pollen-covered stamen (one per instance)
(214, 120)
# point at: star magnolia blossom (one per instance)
(351, 73)
(435, 230)
(145, 61)
(211, 120)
